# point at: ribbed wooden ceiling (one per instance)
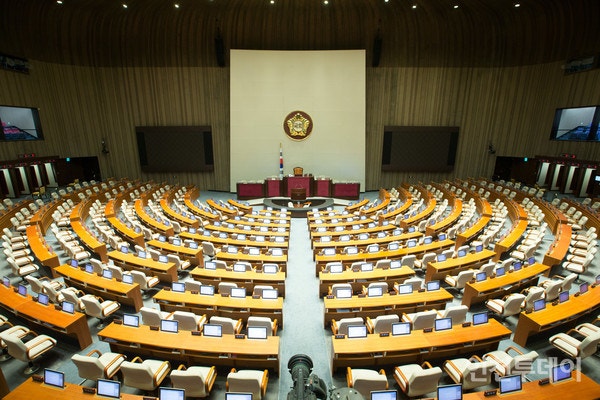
(155, 33)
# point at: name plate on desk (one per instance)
(466, 324)
(330, 296)
(88, 390)
(340, 336)
(196, 333)
(361, 295)
(384, 334)
(224, 294)
(37, 378)
(153, 327)
(240, 336)
(427, 330)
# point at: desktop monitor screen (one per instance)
(411, 243)
(223, 235)
(178, 287)
(500, 271)
(481, 276)
(207, 290)
(108, 388)
(256, 332)
(212, 330)
(239, 292)
(137, 229)
(344, 238)
(277, 252)
(279, 239)
(539, 305)
(107, 273)
(531, 260)
(357, 331)
(442, 236)
(141, 254)
(237, 267)
(510, 384)
(54, 378)
(165, 393)
(441, 257)
(393, 246)
(376, 291)
(263, 229)
(162, 258)
(74, 263)
(43, 299)
(22, 290)
(517, 266)
(270, 294)
(405, 289)
(433, 285)
(478, 248)
(210, 265)
(480, 318)
(192, 230)
(583, 287)
(384, 395)
(168, 325)
(343, 293)
(131, 320)
(6, 281)
(427, 240)
(400, 328)
(563, 296)
(462, 253)
(325, 239)
(364, 267)
(449, 392)
(561, 372)
(363, 236)
(68, 307)
(193, 245)
(395, 264)
(127, 278)
(443, 324)
(162, 238)
(329, 251)
(124, 249)
(373, 249)
(260, 238)
(176, 242)
(336, 268)
(337, 229)
(241, 236)
(270, 269)
(89, 268)
(253, 251)
(238, 396)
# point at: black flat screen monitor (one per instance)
(124, 249)
(169, 325)
(400, 328)
(450, 392)
(336, 268)
(481, 276)
(441, 257)
(89, 268)
(443, 324)
(583, 288)
(108, 388)
(178, 287)
(531, 260)
(442, 236)
(428, 240)
(510, 384)
(207, 290)
(131, 320)
(393, 246)
(162, 238)
(357, 331)
(330, 251)
(539, 305)
(517, 266)
(478, 248)
(239, 293)
(352, 250)
(193, 245)
(500, 271)
(68, 307)
(74, 263)
(237, 267)
(411, 243)
(176, 242)
(212, 330)
(462, 253)
(395, 264)
(6, 281)
(366, 267)
(480, 318)
(561, 372)
(384, 395)
(54, 378)
(165, 393)
(141, 254)
(256, 332)
(253, 251)
(238, 396)
(162, 258)
(433, 285)
(270, 269)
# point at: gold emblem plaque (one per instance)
(298, 125)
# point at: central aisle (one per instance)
(303, 311)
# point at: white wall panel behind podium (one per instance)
(267, 85)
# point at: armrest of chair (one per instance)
(448, 364)
(165, 364)
(201, 321)
(137, 359)
(334, 327)
(114, 360)
(275, 327)
(95, 351)
(476, 358)
(400, 378)
(426, 364)
(370, 325)
(349, 377)
(211, 376)
(264, 381)
(181, 367)
(238, 326)
(513, 349)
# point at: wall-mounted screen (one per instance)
(576, 124)
(20, 123)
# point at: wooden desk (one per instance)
(457, 208)
(166, 272)
(478, 292)
(153, 224)
(560, 247)
(436, 245)
(243, 207)
(452, 266)
(296, 182)
(253, 259)
(126, 232)
(186, 221)
(74, 325)
(44, 253)
(510, 240)
(372, 228)
(224, 209)
(553, 316)
(197, 237)
(386, 304)
(580, 387)
(106, 288)
(194, 256)
(417, 346)
(188, 198)
(363, 243)
(225, 227)
(354, 206)
(193, 350)
(246, 279)
(360, 278)
(219, 305)
(37, 390)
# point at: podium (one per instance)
(297, 182)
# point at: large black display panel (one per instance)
(419, 148)
(175, 148)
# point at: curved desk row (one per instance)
(166, 272)
(247, 279)
(358, 279)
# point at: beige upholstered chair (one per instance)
(505, 364)
(417, 380)
(208, 249)
(104, 366)
(507, 306)
(230, 326)
(188, 321)
(15, 330)
(99, 308)
(144, 374)
(457, 313)
(146, 282)
(341, 327)
(225, 287)
(29, 351)
(421, 319)
(470, 372)
(248, 381)
(574, 347)
(36, 283)
(197, 381)
(382, 323)
(267, 322)
(152, 316)
(366, 380)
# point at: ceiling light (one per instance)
(325, 2)
(272, 1)
(455, 6)
(414, 6)
(176, 5)
(59, 2)
(387, 1)
(124, 5)
(517, 5)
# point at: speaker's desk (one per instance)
(452, 266)
(436, 245)
(108, 289)
(194, 256)
(193, 350)
(417, 346)
(219, 305)
(359, 279)
(477, 292)
(166, 272)
(386, 304)
(74, 325)
(552, 316)
(247, 279)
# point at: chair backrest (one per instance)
(383, 285)
(70, 296)
(477, 374)
(88, 367)
(246, 381)
(15, 346)
(423, 319)
(35, 284)
(568, 281)
(192, 382)
(337, 286)
(258, 289)
(512, 305)
(225, 287)
(140, 278)
(208, 249)
(552, 289)
(188, 321)
(383, 323)
(345, 322)
(298, 171)
(408, 260)
(117, 272)
(464, 277)
(150, 316)
(457, 313)
(534, 293)
(192, 285)
(522, 363)
(589, 345)
(424, 381)
(92, 306)
(261, 321)
(50, 291)
(137, 375)
(365, 381)
(228, 324)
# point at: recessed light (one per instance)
(517, 5)
(455, 6)
(59, 2)
(325, 2)
(272, 1)
(414, 6)
(124, 5)
(176, 5)
(387, 1)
